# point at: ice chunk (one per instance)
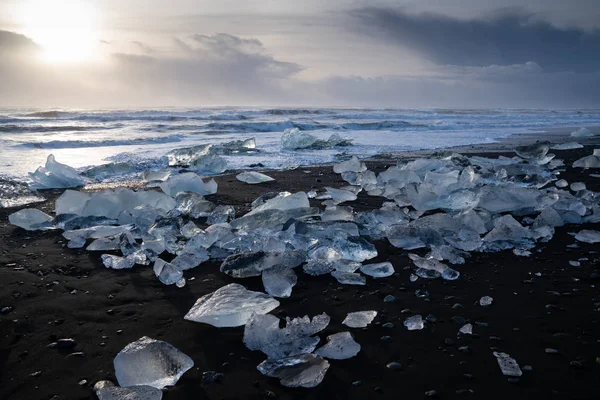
(305, 370)
(583, 132)
(508, 365)
(532, 151)
(160, 175)
(71, 202)
(431, 268)
(166, 272)
(338, 213)
(486, 301)
(106, 390)
(150, 362)
(587, 162)
(55, 175)
(232, 305)
(194, 205)
(245, 265)
(190, 257)
(30, 219)
(294, 139)
(414, 323)
(279, 281)
(188, 182)
(339, 346)
(209, 164)
(588, 236)
(567, 146)
(354, 248)
(340, 196)
(507, 228)
(283, 201)
(317, 267)
(349, 278)
(220, 215)
(379, 270)
(183, 157)
(262, 333)
(351, 165)
(115, 242)
(466, 329)
(561, 183)
(14, 194)
(253, 177)
(577, 186)
(116, 262)
(359, 319)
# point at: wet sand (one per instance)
(540, 302)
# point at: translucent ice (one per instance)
(414, 323)
(379, 270)
(338, 213)
(150, 362)
(30, 219)
(359, 319)
(283, 201)
(340, 196)
(188, 182)
(466, 329)
(262, 333)
(339, 346)
(588, 236)
(106, 390)
(508, 365)
(592, 161)
(536, 150)
(577, 186)
(351, 165)
(232, 305)
(349, 278)
(55, 175)
(71, 202)
(116, 262)
(208, 164)
(253, 177)
(294, 139)
(279, 280)
(486, 301)
(166, 272)
(561, 183)
(245, 265)
(567, 146)
(305, 370)
(583, 132)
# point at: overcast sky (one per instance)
(427, 53)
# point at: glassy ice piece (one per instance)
(106, 390)
(355, 248)
(339, 346)
(183, 157)
(283, 201)
(208, 164)
(190, 230)
(338, 213)
(414, 323)
(466, 329)
(30, 219)
(262, 333)
(116, 262)
(460, 200)
(379, 270)
(245, 265)
(561, 183)
(193, 204)
(190, 257)
(293, 139)
(71, 202)
(14, 194)
(588, 236)
(279, 281)
(253, 177)
(359, 319)
(160, 175)
(577, 186)
(346, 266)
(221, 214)
(587, 162)
(351, 165)
(508, 365)
(567, 146)
(349, 278)
(167, 273)
(188, 182)
(507, 228)
(230, 306)
(486, 301)
(305, 370)
(55, 175)
(111, 242)
(150, 362)
(535, 150)
(317, 267)
(583, 132)
(340, 196)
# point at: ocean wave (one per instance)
(73, 144)
(20, 128)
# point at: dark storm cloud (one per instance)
(503, 38)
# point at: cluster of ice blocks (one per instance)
(448, 205)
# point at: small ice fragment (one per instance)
(351, 165)
(486, 301)
(508, 365)
(414, 323)
(588, 236)
(304, 370)
(583, 132)
(567, 146)
(339, 195)
(30, 219)
(150, 362)
(339, 346)
(188, 182)
(466, 329)
(230, 306)
(577, 186)
(359, 319)
(575, 263)
(160, 175)
(253, 177)
(180, 283)
(116, 262)
(592, 161)
(279, 281)
(561, 183)
(209, 164)
(379, 270)
(166, 272)
(349, 278)
(105, 390)
(317, 267)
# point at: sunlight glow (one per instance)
(65, 29)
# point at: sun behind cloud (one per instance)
(65, 30)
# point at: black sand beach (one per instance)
(541, 304)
